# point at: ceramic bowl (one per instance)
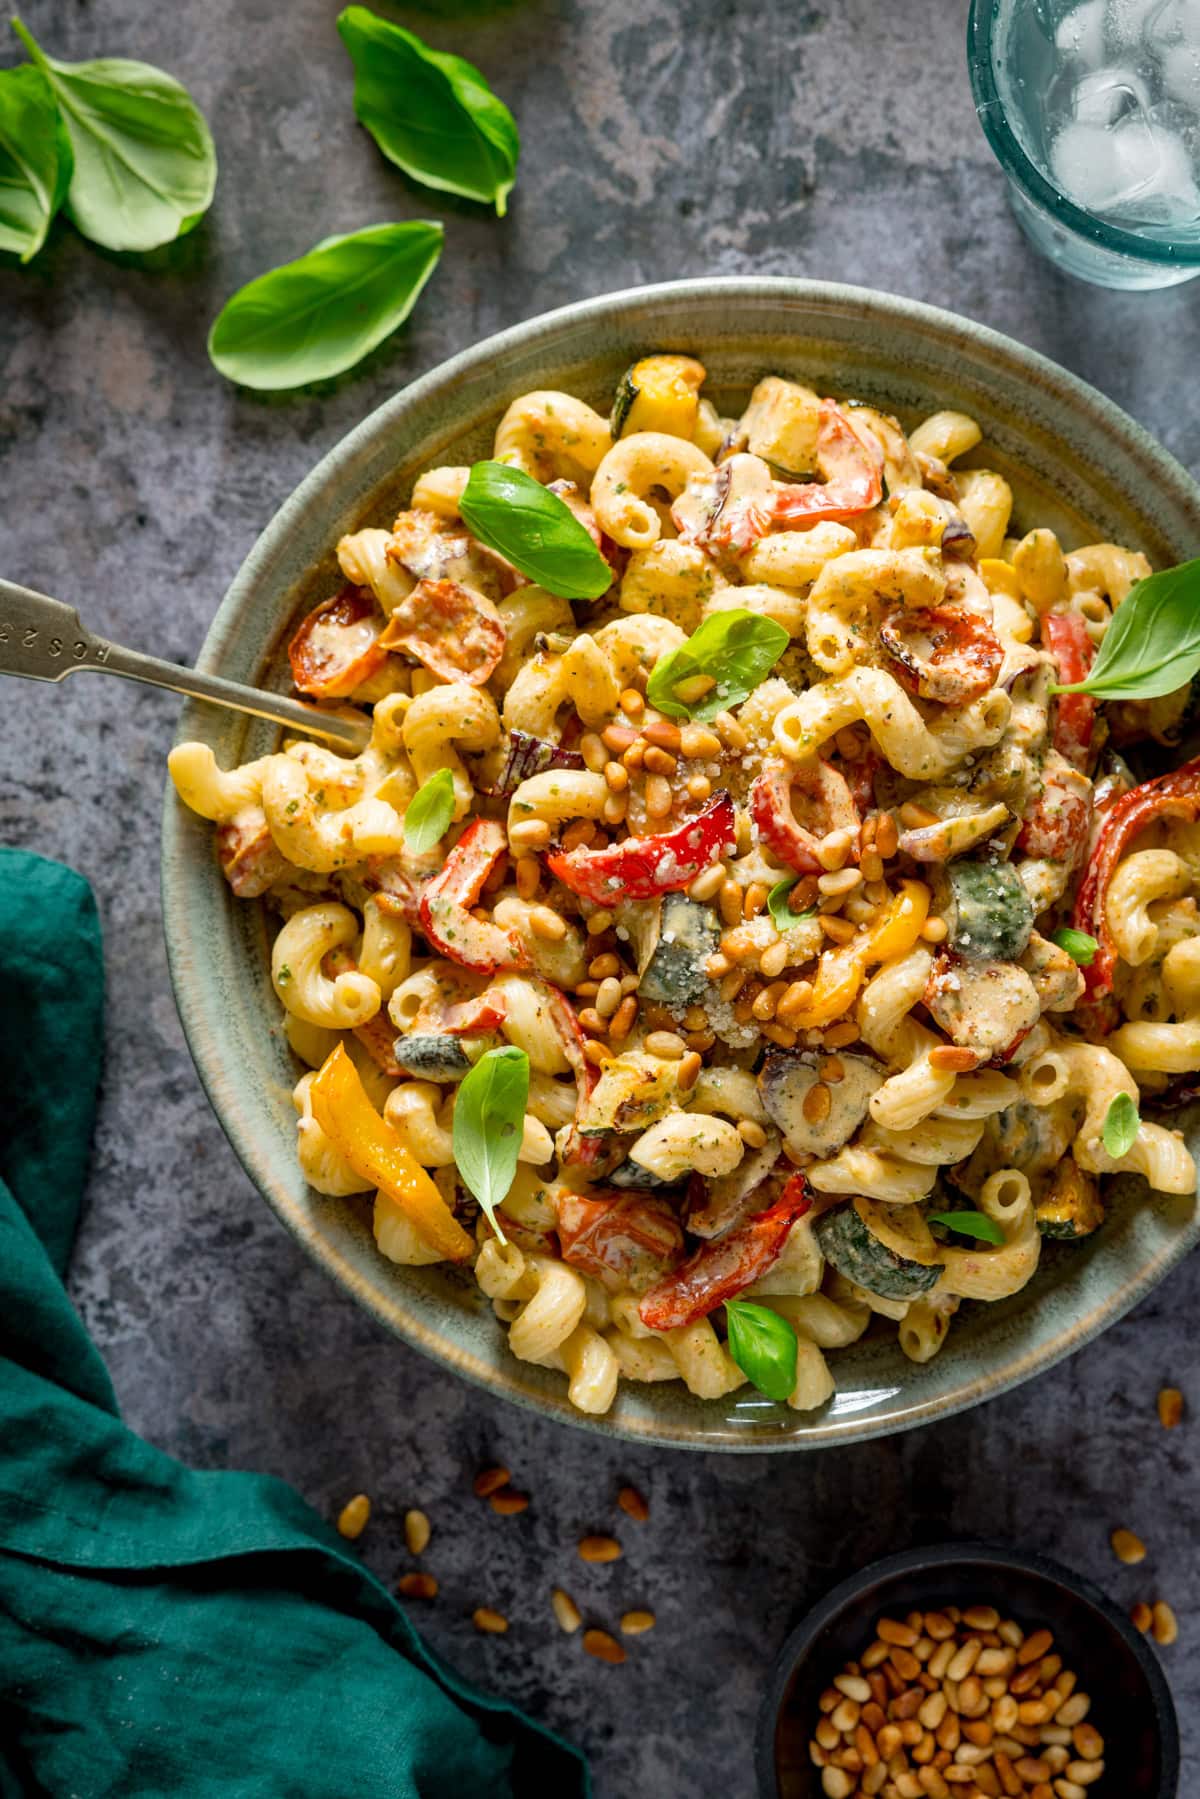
(1075, 462)
(1131, 1702)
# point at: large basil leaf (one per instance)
(319, 315)
(433, 115)
(145, 166)
(489, 1121)
(538, 533)
(1152, 646)
(763, 1345)
(35, 160)
(735, 650)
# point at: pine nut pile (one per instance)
(956, 1705)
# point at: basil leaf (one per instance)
(763, 1345)
(539, 534)
(489, 1119)
(781, 912)
(429, 812)
(434, 116)
(1079, 946)
(1152, 646)
(1121, 1123)
(970, 1224)
(737, 650)
(319, 315)
(144, 163)
(35, 160)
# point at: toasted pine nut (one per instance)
(1141, 1616)
(1035, 1646)
(352, 1519)
(599, 1549)
(817, 1103)
(547, 924)
(694, 688)
(754, 899)
(599, 921)
(608, 996)
(1088, 1742)
(887, 838)
(593, 751)
(633, 1505)
(507, 1503)
(528, 874)
(731, 733)
(689, 1071)
(844, 881)
(781, 1034)
(578, 834)
(489, 1481)
(729, 902)
(615, 808)
(591, 1021)
(565, 1610)
(617, 776)
(417, 1586)
(832, 1070)
(698, 740)
(601, 967)
(1165, 1625)
(632, 703)
(1074, 1711)
(598, 1053)
(623, 1019)
(1084, 1773)
(949, 1058)
(604, 1647)
(492, 1623)
(662, 733)
(667, 1045)
(634, 1624)
(699, 787)
(839, 929)
(659, 762)
(659, 798)
(416, 1532)
(708, 883)
(774, 959)
(833, 849)
(633, 757)
(964, 1659)
(837, 1036)
(1127, 1547)
(1170, 1407)
(530, 835)
(618, 737)
(751, 1133)
(871, 863)
(764, 1003)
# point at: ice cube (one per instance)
(1180, 65)
(1133, 172)
(1126, 23)
(1172, 22)
(1081, 32)
(1107, 96)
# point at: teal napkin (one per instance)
(165, 1632)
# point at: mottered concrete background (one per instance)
(661, 138)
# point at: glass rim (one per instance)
(1021, 168)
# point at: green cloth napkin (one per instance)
(164, 1632)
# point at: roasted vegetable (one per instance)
(337, 646)
(625, 1240)
(1065, 636)
(825, 804)
(943, 653)
(445, 904)
(985, 1006)
(454, 631)
(633, 1090)
(631, 1174)
(990, 914)
(846, 1240)
(781, 425)
(785, 1084)
(641, 867)
(688, 934)
(718, 1270)
(431, 1056)
(529, 755)
(659, 393)
(1071, 1206)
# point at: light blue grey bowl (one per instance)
(1075, 462)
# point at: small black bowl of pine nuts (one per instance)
(967, 1671)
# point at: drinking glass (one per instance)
(1093, 108)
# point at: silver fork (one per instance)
(43, 640)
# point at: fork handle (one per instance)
(43, 640)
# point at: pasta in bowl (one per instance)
(765, 858)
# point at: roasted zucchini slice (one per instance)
(990, 914)
(1071, 1206)
(846, 1240)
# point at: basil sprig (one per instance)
(144, 166)
(1079, 945)
(1152, 646)
(1121, 1123)
(429, 812)
(433, 115)
(538, 533)
(35, 160)
(782, 916)
(736, 650)
(763, 1345)
(489, 1119)
(970, 1224)
(319, 315)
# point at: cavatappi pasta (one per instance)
(726, 1097)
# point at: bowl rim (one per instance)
(969, 1552)
(822, 298)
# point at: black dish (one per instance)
(1131, 1704)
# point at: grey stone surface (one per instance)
(661, 138)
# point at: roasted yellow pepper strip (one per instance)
(374, 1151)
(841, 971)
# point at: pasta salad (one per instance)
(732, 930)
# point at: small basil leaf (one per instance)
(489, 1119)
(1152, 646)
(144, 163)
(1079, 946)
(35, 160)
(434, 116)
(763, 1345)
(539, 534)
(319, 315)
(970, 1224)
(1121, 1123)
(429, 812)
(781, 912)
(736, 650)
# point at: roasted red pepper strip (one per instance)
(1065, 636)
(720, 1269)
(826, 800)
(446, 901)
(1057, 827)
(337, 648)
(624, 1239)
(249, 859)
(643, 867)
(853, 471)
(943, 653)
(453, 630)
(1174, 795)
